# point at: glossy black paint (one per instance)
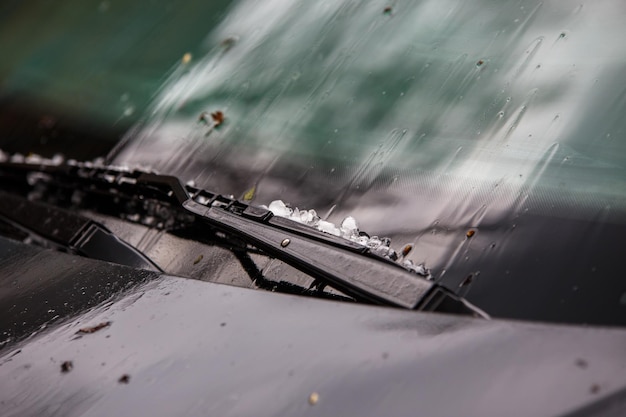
(40, 287)
(184, 347)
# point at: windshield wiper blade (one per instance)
(340, 263)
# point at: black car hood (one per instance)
(173, 346)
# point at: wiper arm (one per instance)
(342, 264)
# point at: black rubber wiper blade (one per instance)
(351, 272)
(345, 265)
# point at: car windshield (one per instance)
(489, 135)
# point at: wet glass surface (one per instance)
(422, 119)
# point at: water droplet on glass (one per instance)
(500, 114)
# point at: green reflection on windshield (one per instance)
(521, 94)
(355, 98)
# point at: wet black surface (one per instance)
(543, 268)
(39, 287)
(183, 347)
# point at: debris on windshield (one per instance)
(388, 10)
(349, 230)
(470, 233)
(218, 118)
(186, 58)
(215, 118)
(124, 379)
(93, 329)
(229, 42)
(314, 398)
(66, 366)
(249, 195)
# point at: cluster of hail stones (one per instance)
(349, 230)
